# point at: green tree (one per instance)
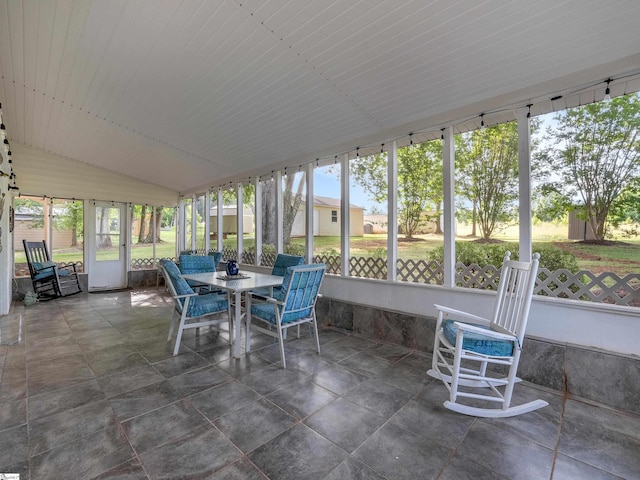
(70, 217)
(595, 157)
(487, 175)
(419, 183)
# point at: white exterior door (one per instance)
(106, 246)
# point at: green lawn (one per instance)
(622, 257)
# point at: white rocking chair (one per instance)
(465, 344)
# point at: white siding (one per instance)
(40, 173)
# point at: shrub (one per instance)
(551, 258)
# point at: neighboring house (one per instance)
(229, 219)
(23, 229)
(326, 218)
(377, 223)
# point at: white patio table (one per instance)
(235, 287)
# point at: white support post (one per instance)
(279, 212)
(219, 220)
(257, 188)
(207, 222)
(449, 211)
(194, 219)
(155, 234)
(182, 226)
(344, 215)
(524, 187)
(392, 212)
(240, 220)
(48, 222)
(309, 213)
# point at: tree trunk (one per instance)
(268, 213)
(291, 204)
(104, 239)
(154, 227)
(143, 224)
(474, 219)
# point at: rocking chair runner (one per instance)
(50, 280)
(465, 344)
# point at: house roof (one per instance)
(189, 95)
(320, 201)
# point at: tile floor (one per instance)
(89, 390)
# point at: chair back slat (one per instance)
(284, 261)
(515, 292)
(300, 289)
(36, 252)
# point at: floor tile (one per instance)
(602, 438)
(143, 400)
(302, 398)
(297, 453)
(507, 453)
(366, 364)
(63, 399)
(180, 364)
(241, 470)
(424, 415)
(399, 454)
(379, 397)
(352, 469)
(195, 381)
(567, 468)
(254, 424)
(163, 425)
(345, 424)
(87, 457)
(52, 431)
(338, 379)
(93, 391)
(198, 454)
(217, 401)
(128, 380)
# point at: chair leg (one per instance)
(315, 331)
(172, 325)
(281, 342)
(179, 336)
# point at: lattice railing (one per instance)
(368, 267)
(587, 286)
(420, 271)
(333, 263)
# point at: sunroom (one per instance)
(150, 118)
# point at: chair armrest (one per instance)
(467, 316)
(186, 295)
(483, 331)
(274, 301)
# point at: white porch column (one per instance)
(345, 206)
(309, 213)
(240, 220)
(392, 212)
(181, 231)
(524, 186)
(207, 222)
(194, 219)
(448, 211)
(220, 219)
(257, 218)
(279, 212)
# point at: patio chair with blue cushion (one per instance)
(50, 280)
(198, 264)
(465, 344)
(283, 261)
(291, 306)
(191, 307)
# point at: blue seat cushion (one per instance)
(197, 264)
(180, 284)
(284, 261)
(267, 312)
(476, 342)
(206, 304)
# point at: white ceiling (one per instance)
(193, 93)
